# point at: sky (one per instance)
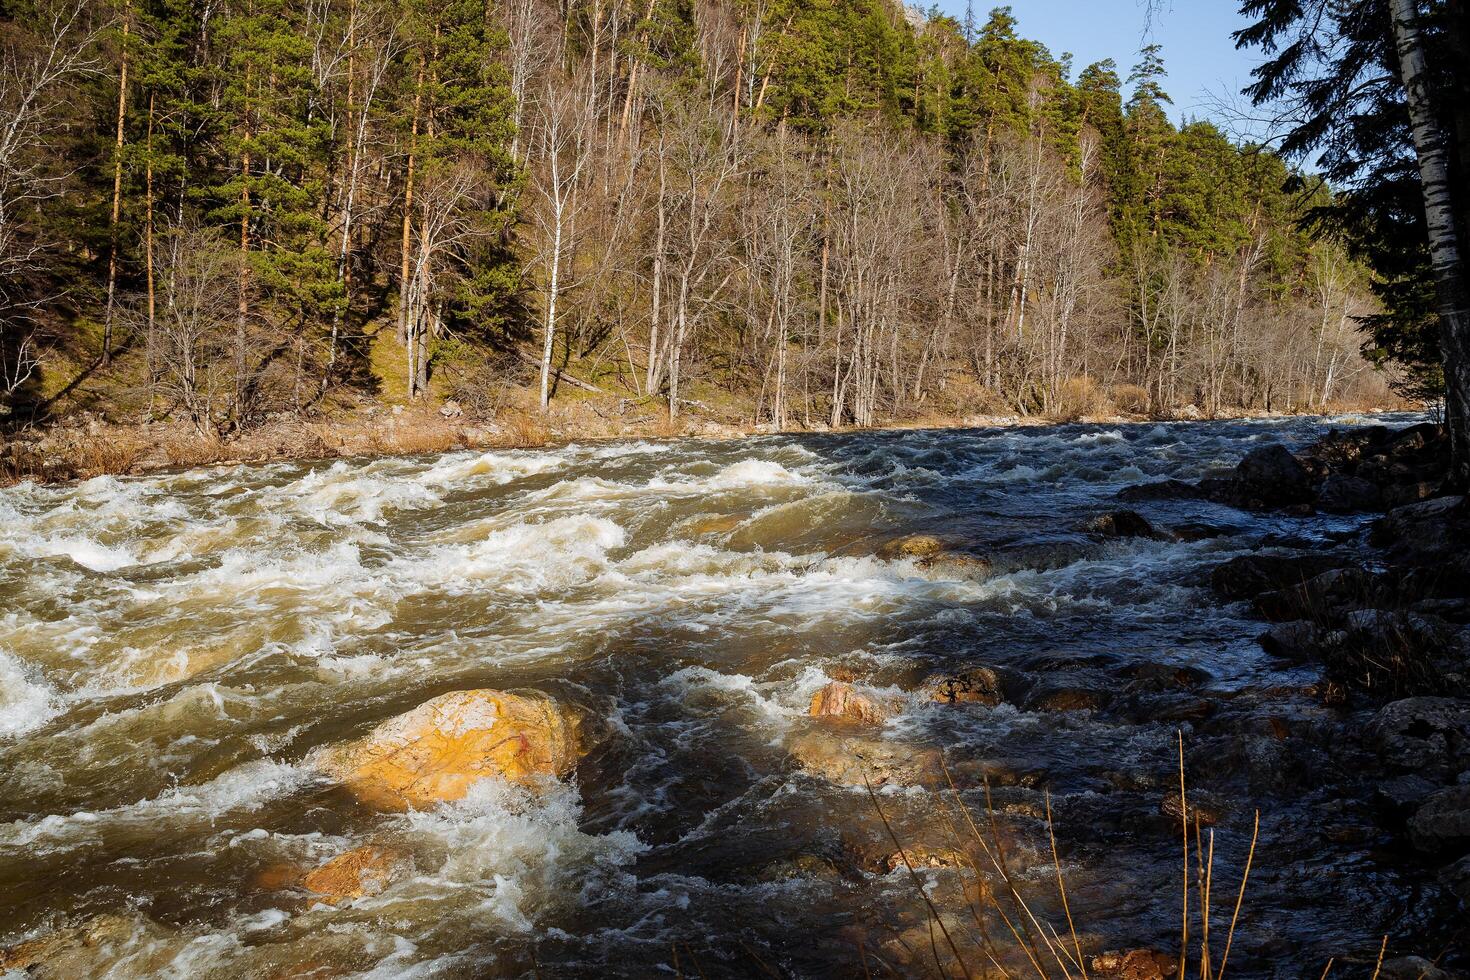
(1198, 50)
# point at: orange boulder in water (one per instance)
(355, 873)
(845, 703)
(433, 753)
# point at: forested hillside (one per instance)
(820, 211)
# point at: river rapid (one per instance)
(173, 646)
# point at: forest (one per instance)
(825, 212)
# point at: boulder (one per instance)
(1424, 532)
(1160, 490)
(854, 761)
(1442, 822)
(357, 873)
(433, 753)
(451, 409)
(843, 702)
(976, 685)
(1425, 735)
(913, 546)
(929, 552)
(1412, 968)
(1297, 641)
(1250, 575)
(1342, 494)
(1456, 877)
(1272, 477)
(89, 948)
(1122, 524)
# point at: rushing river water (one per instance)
(172, 647)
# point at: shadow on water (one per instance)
(180, 644)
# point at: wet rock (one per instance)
(1411, 968)
(843, 702)
(1456, 877)
(920, 856)
(1402, 795)
(854, 761)
(1204, 808)
(1165, 707)
(1297, 642)
(1423, 735)
(1202, 531)
(1342, 494)
(1153, 676)
(1051, 694)
(1122, 524)
(929, 552)
(357, 873)
(1424, 532)
(433, 753)
(1320, 597)
(976, 685)
(1250, 575)
(1442, 822)
(913, 546)
(1136, 964)
(1272, 477)
(86, 949)
(1160, 490)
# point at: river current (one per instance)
(173, 646)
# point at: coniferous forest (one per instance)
(825, 211)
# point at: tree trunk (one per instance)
(117, 164)
(1444, 247)
(418, 97)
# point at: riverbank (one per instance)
(86, 444)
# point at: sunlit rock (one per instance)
(860, 761)
(843, 702)
(1136, 964)
(433, 753)
(976, 685)
(360, 872)
(89, 948)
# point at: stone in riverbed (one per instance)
(433, 753)
(360, 872)
(1442, 822)
(1250, 575)
(1272, 477)
(977, 685)
(1122, 524)
(1424, 532)
(847, 761)
(90, 948)
(1136, 964)
(843, 702)
(1342, 494)
(1425, 735)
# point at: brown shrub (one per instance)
(1131, 398)
(1080, 396)
(523, 430)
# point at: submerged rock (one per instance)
(1136, 964)
(844, 702)
(357, 873)
(433, 753)
(87, 949)
(856, 761)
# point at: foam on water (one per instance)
(26, 700)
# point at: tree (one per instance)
(1380, 89)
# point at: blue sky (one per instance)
(1198, 51)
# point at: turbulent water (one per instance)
(172, 647)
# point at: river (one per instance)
(173, 646)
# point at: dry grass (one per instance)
(1000, 931)
(522, 430)
(1131, 398)
(413, 439)
(1078, 397)
(114, 453)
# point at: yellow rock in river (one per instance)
(355, 873)
(433, 753)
